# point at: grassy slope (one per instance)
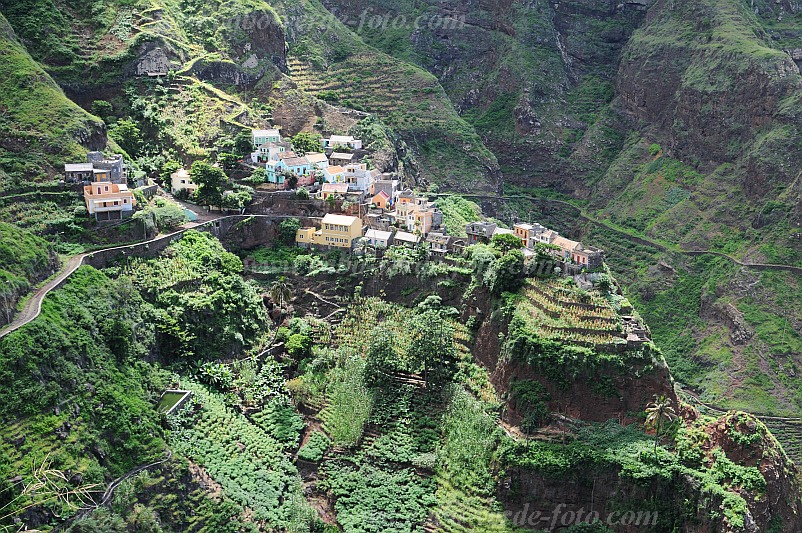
(39, 125)
(741, 195)
(406, 97)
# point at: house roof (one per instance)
(378, 235)
(525, 227)
(407, 193)
(296, 161)
(335, 170)
(341, 155)
(316, 157)
(341, 139)
(180, 173)
(383, 195)
(406, 237)
(341, 220)
(438, 237)
(287, 155)
(565, 244)
(276, 163)
(266, 133)
(335, 187)
(503, 231)
(78, 167)
(484, 228)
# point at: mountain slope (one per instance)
(39, 125)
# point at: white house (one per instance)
(359, 178)
(181, 180)
(378, 238)
(317, 159)
(341, 140)
(261, 137)
(334, 174)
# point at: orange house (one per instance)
(381, 200)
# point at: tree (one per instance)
(102, 109)
(298, 345)
(258, 176)
(211, 182)
(227, 160)
(505, 242)
(382, 358)
(291, 179)
(280, 292)
(506, 273)
(658, 413)
(168, 169)
(302, 194)
(604, 283)
(243, 143)
(432, 347)
(306, 142)
(126, 133)
(287, 230)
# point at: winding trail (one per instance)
(33, 307)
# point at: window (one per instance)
(116, 202)
(125, 201)
(98, 190)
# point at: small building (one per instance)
(439, 243)
(480, 232)
(317, 159)
(304, 237)
(181, 180)
(341, 140)
(108, 201)
(337, 231)
(333, 189)
(334, 174)
(359, 178)
(382, 201)
(300, 166)
(523, 232)
(390, 187)
(378, 238)
(275, 171)
(403, 238)
(78, 172)
(260, 137)
(341, 159)
(114, 164)
(268, 152)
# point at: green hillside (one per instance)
(39, 125)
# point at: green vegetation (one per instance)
(40, 118)
(24, 260)
(457, 212)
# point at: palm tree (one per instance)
(658, 413)
(280, 292)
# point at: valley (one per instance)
(418, 266)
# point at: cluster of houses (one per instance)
(336, 163)
(347, 232)
(105, 186)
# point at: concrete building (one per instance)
(336, 231)
(181, 180)
(108, 201)
(341, 140)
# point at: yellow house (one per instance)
(339, 231)
(108, 201)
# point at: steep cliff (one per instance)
(39, 125)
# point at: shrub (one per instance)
(315, 448)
